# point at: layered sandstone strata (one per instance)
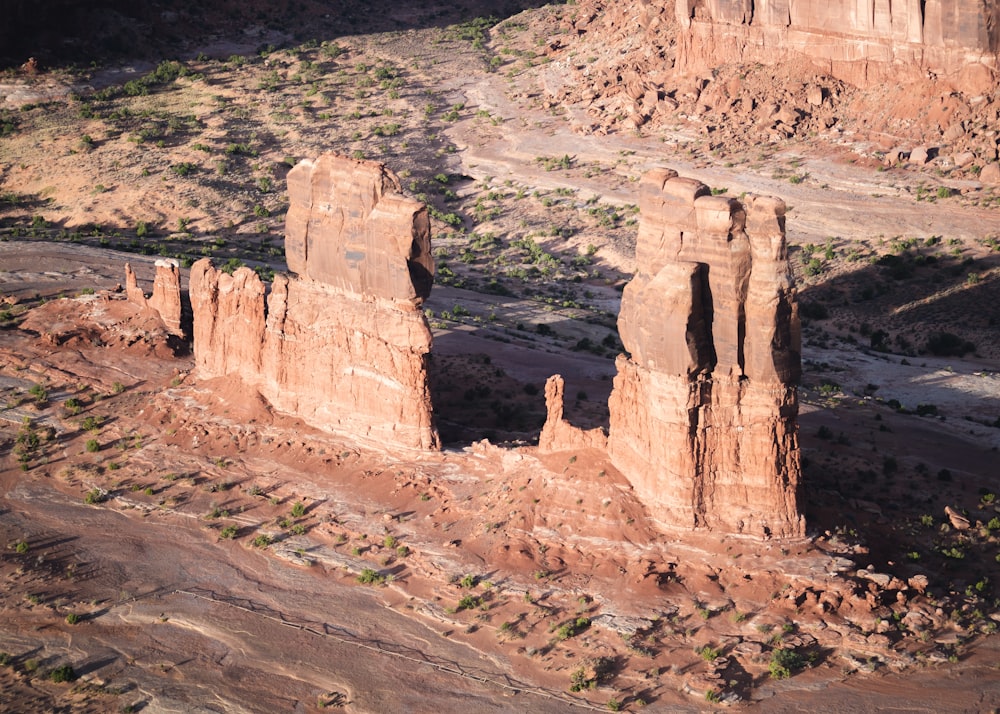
(864, 42)
(343, 342)
(704, 408)
(166, 297)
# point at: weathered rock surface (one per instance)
(348, 226)
(864, 43)
(703, 412)
(343, 343)
(557, 433)
(166, 297)
(990, 174)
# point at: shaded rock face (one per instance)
(343, 343)
(703, 411)
(862, 42)
(166, 297)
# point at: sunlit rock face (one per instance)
(704, 407)
(342, 342)
(864, 42)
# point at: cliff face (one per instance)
(703, 412)
(343, 343)
(864, 42)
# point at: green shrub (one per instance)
(72, 618)
(298, 510)
(229, 532)
(709, 653)
(93, 446)
(784, 662)
(95, 495)
(39, 392)
(64, 673)
(370, 577)
(946, 344)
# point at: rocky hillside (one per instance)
(637, 64)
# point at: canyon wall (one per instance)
(704, 408)
(341, 342)
(864, 42)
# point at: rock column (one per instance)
(704, 408)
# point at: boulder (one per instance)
(920, 155)
(963, 159)
(958, 521)
(895, 156)
(990, 174)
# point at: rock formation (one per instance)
(166, 297)
(557, 433)
(703, 411)
(865, 43)
(341, 343)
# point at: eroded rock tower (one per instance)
(704, 408)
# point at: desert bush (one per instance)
(370, 577)
(946, 344)
(709, 653)
(26, 444)
(95, 495)
(40, 393)
(65, 673)
(469, 602)
(784, 662)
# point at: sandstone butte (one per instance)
(864, 42)
(704, 406)
(341, 342)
